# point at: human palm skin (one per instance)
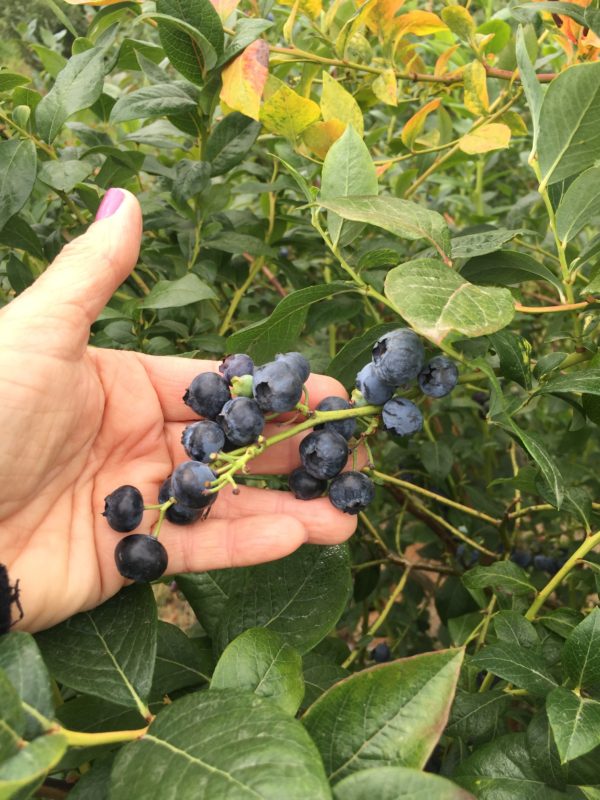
(78, 422)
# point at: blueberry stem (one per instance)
(164, 507)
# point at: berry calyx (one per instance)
(141, 558)
(124, 508)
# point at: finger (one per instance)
(65, 300)
(171, 376)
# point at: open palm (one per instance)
(78, 422)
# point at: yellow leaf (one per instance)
(319, 136)
(244, 79)
(380, 16)
(311, 8)
(493, 136)
(225, 8)
(286, 113)
(338, 103)
(419, 23)
(515, 122)
(385, 87)
(441, 65)
(415, 124)
(476, 93)
(460, 22)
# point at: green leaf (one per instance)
(581, 652)
(571, 10)
(22, 663)
(562, 621)
(180, 661)
(393, 783)
(178, 293)
(21, 236)
(436, 301)
(437, 459)
(569, 117)
(507, 268)
(192, 48)
(153, 101)
(78, 86)
(531, 86)
(12, 721)
(221, 744)
(520, 665)
(502, 770)
(514, 353)
(230, 142)
(355, 353)
(575, 722)
(348, 170)
(63, 175)
(388, 715)
(191, 178)
(586, 380)
(479, 244)
(479, 716)
(579, 206)
(319, 674)
(513, 628)
(503, 575)
(301, 597)
(94, 784)
(18, 274)
(22, 773)
(261, 661)
(238, 243)
(208, 593)
(107, 652)
(95, 714)
(403, 218)
(280, 331)
(18, 167)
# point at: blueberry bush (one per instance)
(402, 195)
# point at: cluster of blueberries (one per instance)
(235, 405)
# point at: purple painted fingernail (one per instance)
(110, 203)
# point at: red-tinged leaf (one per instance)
(244, 79)
(413, 127)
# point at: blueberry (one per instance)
(177, 514)
(189, 483)
(304, 486)
(277, 387)
(522, 558)
(351, 492)
(345, 427)
(207, 394)
(235, 366)
(124, 509)
(438, 377)
(140, 557)
(202, 439)
(401, 416)
(324, 454)
(296, 362)
(242, 421)
(546, 564)
(398, 356)
(381, 653)
(371, 387)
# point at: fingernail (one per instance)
(110, 203)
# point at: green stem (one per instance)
(161, 517)
(255, 268)
(78, 739)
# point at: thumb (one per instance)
(77, 285)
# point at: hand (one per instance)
(77, 422)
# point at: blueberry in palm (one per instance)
(402, 417)
(304, 486)
(373, 390)
(177, 513)
(241, 420)
(140, 557)
(207, 394)
(324, 454)
(351, 492)
(202, 439)
(439, 377)
(345, 427)
(190, 483)
(124, 508)
(398, 356)
(297, 362)
(277, 387)
(235, 366)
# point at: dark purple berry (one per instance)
(304, 486)
(207, 394)
(190, 482)
(241, 420)
(373, 390)
(398, 356)
(177, 514)
(439, 377)
(297, 363)
(324, 454)
(124, 509)
(235, 366)
(277, 387)
(381, 653)
(401, 416)
(345, 427)
(202, 439)
(351, 492)
(140, 557)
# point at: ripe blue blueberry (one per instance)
(351, 492)
(202, 439)
(124, 508)
(438, 377)
(140, 557)
(241, 420)
(401, 416)
(373, 390)
(277, 387)
(304, 486)
(177, 514)
(190, 482)
(345, 427)
(522, 558)
(207, 394)
(381, 653)
(324, 454)
(235, 366)
(398, 356)
(546, 564)
(296, 362)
